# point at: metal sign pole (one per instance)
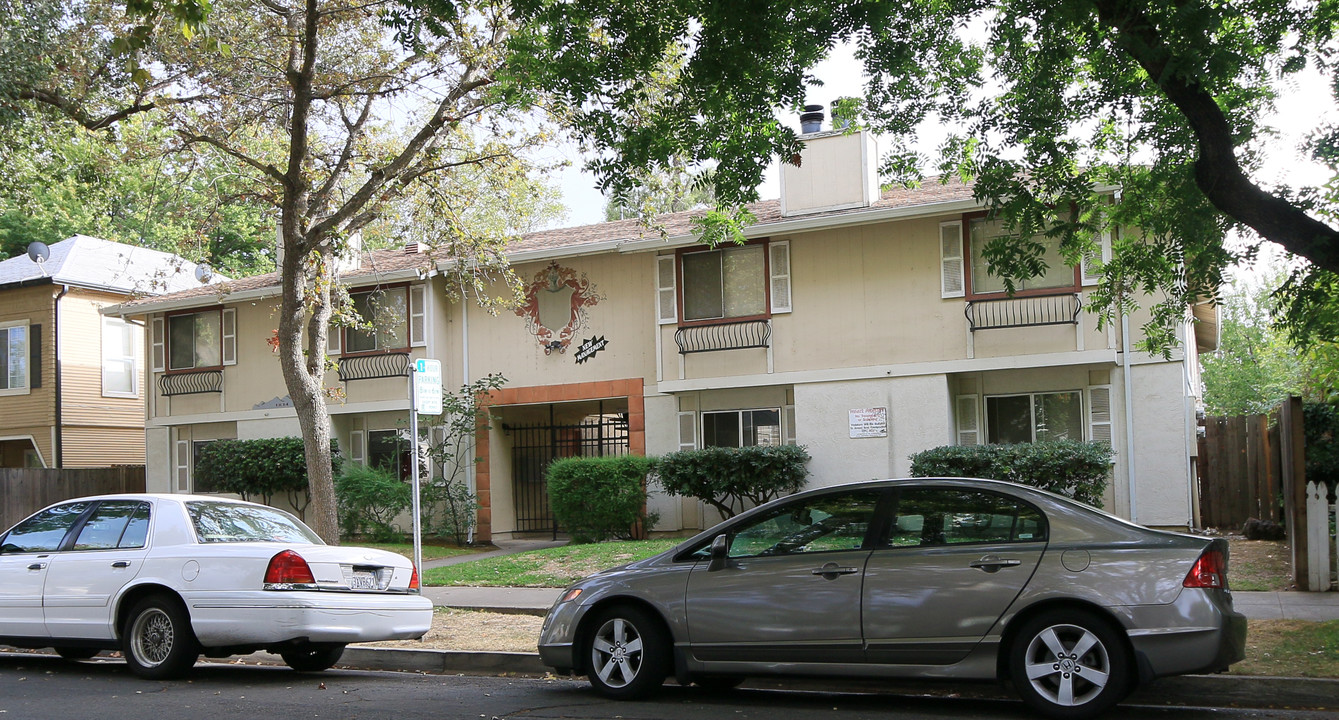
(414, 473)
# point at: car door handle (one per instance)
(121, 564)
(37, 566)
(991, 563)
(834, 569)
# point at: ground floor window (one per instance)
(200, 486)
(388, 450)
(742, 428)
(1034, 417)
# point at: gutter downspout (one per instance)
(55, 344)
(1129, 416)
(1192, 438)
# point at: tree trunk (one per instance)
(305, 376)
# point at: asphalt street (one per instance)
(41, 687)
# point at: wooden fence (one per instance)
(1240, 471)
(26, 490)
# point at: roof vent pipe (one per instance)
(811, 120)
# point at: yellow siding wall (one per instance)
(33, 413)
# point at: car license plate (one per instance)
(363, 581)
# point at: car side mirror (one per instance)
(720, 553)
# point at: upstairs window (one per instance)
(702, 286)
(195, 340)
(14, 358)
(1058, 274)
(120, 343)
(387, 311)
(728, 283)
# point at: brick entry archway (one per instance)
(542, 394)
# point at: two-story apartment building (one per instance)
(72, 379)
(861, 324)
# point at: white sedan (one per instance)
(164, 578)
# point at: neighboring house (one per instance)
(71, 379)
(862, 325)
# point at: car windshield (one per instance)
(222, 522)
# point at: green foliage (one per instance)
(1255, 366)
(1321, 426)
(1079, 470)
(63, 180)
(732, 479)
(259, 468)
(369, 499)
(458, 509)
(600, 498)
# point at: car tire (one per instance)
(76, 653)
(157, 639)
(1069, 664)
(627, 653)
(312, 658)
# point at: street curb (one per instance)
(1241, 691)
(1187, 690)
(442, 661)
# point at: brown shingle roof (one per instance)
(767, 212)
(375, 264)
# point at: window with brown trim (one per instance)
(724, 283)
(387, 311)
(1057, 277)
(195, 340)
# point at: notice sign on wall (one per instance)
(869, 423)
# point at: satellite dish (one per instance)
(203, 273)
(38, 252)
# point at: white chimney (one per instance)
(838, 171)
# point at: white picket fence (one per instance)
(1322, 543)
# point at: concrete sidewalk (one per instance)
(1313, 606)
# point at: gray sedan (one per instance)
(925, 578)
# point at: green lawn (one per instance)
(550, 567)
(1291, 648)
(430, 552)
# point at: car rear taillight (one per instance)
(288, 568)
(413, 578)
(1209, 571)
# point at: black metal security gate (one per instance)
(533, 447)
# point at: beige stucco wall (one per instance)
(918, 418)
(625, 316)
(1161, 474)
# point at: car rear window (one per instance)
(223, 522)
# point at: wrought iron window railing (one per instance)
(368, 367)
(1035, 310)
(192, 382)
(724, 336)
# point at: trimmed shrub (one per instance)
(1079, 470)
(368, 499)
(597, 499)
(259, 469)
(733, 479)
